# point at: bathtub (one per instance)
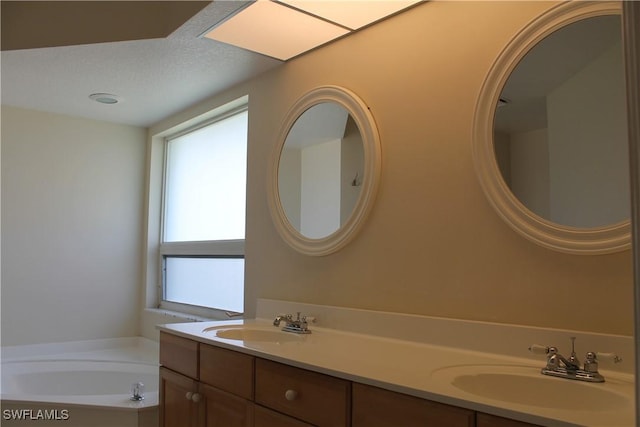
(80, 384)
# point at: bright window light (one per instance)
(202, 249)
(206, 282)
(206, 183)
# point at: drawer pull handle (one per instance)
(290, 395)
(195, 397)
(189, 395)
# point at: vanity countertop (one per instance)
(422, 370)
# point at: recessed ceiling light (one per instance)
(275, 30)
(105, 98)
(353, 14)
(284, 29)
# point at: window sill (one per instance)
(186, 317)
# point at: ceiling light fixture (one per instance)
(275, 30)
(353, 14)
(105, 98)
(284, 29)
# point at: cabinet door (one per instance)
(486, 420)
(375, 407)
(222, 409)
(264, 417)
(176, 407)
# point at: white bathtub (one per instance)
(81, 383)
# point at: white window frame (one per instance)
(156, 249)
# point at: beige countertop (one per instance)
(428, 371)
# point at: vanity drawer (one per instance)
(263, 417)
(227, 370)
(315, 398)
(486, 420)
(376, 407)
(179, 354)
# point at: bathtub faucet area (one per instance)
(114, 381)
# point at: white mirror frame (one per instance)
(573, 240)
(372, 166)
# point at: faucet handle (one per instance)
(539, 349)
(281, 317)
(612, 357)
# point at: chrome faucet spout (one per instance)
(556, 360)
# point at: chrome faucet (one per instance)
(556, 361)
(559, 366)
(299, 325)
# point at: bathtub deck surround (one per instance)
(137, 349)
(82, 383)
(435, 359)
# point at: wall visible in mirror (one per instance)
(320, 189)
(432, 244)
(597, 193)
(320, 170)
(351, 174)
(561, 133)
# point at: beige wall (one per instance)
(432, 244)
(72, 220)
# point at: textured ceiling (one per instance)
(155, 70)
(34, 24)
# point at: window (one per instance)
(204, 198)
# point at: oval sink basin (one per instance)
(253, 334)
(526, 386)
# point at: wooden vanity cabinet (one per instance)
(226, 383)
(263, 417)
(206, 386)
(178, 382)
(185, 402)
(376, 407)
(222, 409)
(179, 354)
(227, 370)
(176, 410)
(486, 420)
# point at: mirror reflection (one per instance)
(320, 170)
(560, 131)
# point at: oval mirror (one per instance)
(325, 171)
(550, 145)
